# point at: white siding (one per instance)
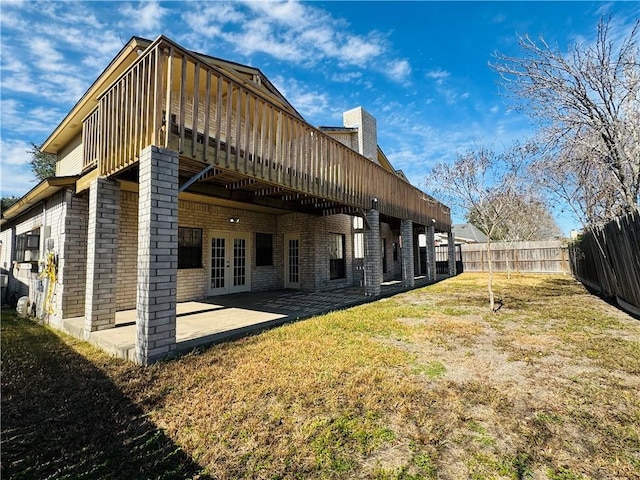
(70, 158)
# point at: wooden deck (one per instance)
(173, 98)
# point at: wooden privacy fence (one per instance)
(607, 259)
(525, 257)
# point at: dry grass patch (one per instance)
(427, 384)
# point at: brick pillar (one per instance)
(372, 254)
(451, 242)
(102, 255)
(72, 251)
(408, 271)
(157, 254)
(431, 252)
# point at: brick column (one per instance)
(451, 242)
(157, 254)
(431, 253)
(408, 271)
(72, 252)
(102, 255)
(372, 254)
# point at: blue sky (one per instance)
(421, 68)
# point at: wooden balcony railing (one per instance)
(170, 97)
(90, 140)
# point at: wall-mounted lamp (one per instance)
(234, 220)
(374, 203)
(433, 220)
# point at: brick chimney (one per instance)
(367, 131)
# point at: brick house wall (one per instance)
(323, 228)
(61, 217)
(127, 251)
(192, 282)
(73, 256)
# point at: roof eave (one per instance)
(133, 44)
(43, 190)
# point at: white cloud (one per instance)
(346, 77)
(289, 31)
(34, 122)
(145, 16)
(259, 36)
(399, 70)
(289, 13)
(359, 50)
(438, 75)
(314, 105)
(17, 178)
(71, 14)
(14, 152)
(46, 56)
(413, 144)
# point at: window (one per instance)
(189, 247)
(383, 247)
(28, 246)
(264, 249)
(358, 245)
(358, 237)
(337, 268)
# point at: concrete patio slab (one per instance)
(218, 319)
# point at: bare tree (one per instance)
(586, 188)
(587, 102)
(482, 182)
(528, 219)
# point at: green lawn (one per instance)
(427, 384)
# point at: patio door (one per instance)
(292, 261)
(229, 270)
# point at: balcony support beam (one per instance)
(102, 255)
(157, 255)
(408, 272)
(195, 178)
(372, 255)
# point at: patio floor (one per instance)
(218, 319)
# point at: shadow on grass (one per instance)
(64, 418)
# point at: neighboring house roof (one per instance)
(468, 233)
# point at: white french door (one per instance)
(292, 261)
(230, 268)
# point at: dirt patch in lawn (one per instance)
(427, 384)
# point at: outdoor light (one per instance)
(374, 203)
(234, 220)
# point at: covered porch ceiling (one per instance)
(235, 190)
